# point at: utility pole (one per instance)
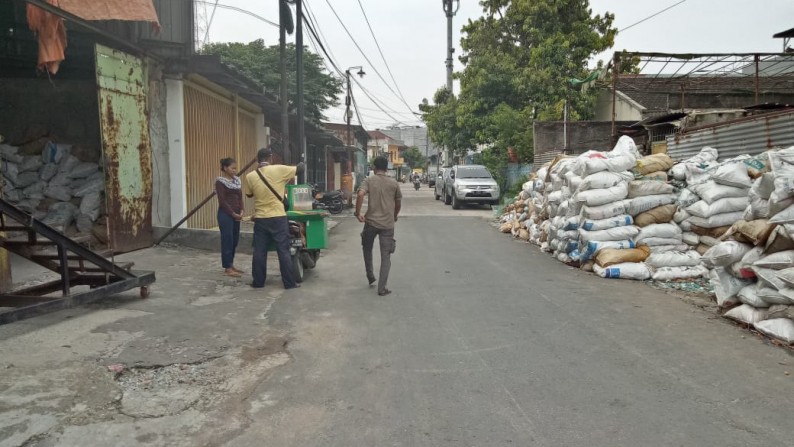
(284, 12)
(450, 13)
(349, 112)
(299, 82)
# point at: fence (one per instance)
(516, 173)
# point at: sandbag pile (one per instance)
(54, 186)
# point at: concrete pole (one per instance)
(282, 43)
(299, 82)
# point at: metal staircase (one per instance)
(76, 264)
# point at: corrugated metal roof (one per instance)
(751, 135)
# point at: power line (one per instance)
(313, 32)
(377, 44)
(244, 11)
(652, 16)
(365, 56)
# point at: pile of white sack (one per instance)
(54, 186)
(626, 216)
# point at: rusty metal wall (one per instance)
(213, 133)
(751, 135)
(126, 149)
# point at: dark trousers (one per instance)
(275, 231)
(230, 236)
(387, 246)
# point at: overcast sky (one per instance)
(412, 35)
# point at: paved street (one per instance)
(485, 341)
(489, 342)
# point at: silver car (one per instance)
(441, 178)
(470, 184)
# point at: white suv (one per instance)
(470, 184)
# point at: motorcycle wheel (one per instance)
(297, 268)
(336, 206)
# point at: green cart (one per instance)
(308, 231)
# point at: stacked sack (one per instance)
(754, 262)
(604, 224)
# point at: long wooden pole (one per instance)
(197, 207)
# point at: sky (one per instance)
(412, 37)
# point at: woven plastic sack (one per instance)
(733, 173)
(717, 220)
(604, 211)
(749, 296)
(711, 191)
(686, 198)
(773, 296)
(787, 276)
(668, 248)
(705, 156)
(673, 273)
(725, 253)
(746, 314)
(605, 224)
(639, 205)
(611, 234)
(755, 232)
(779, 328)
(663, 230)
(690, 238)
(627, 270)
(674, 259)
(726, 286)
(597, 197)
(726, 205)
(656, 241)
(589, 249)
(606, 179)
(777, 261)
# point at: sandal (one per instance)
(237, 270)
(233, 273)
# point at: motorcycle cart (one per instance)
(308, 230)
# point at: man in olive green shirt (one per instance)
(383, 207)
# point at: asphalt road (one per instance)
(486, 341)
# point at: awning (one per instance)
(127, 10)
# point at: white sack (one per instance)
(604, 211)
(656, 241)
(772, 296)
(733, 173)
(639, 205)
(674, 259)
(787, 276)
(780, 328)
(717, 220)
(777, 261)
(680, 216)
(672, 273)
(668, 248)
(725, 253)
(746, 314)
(726, 286)
(690, 238)
(686, 198)
(639, 188)
(588, 250)
(611, 234)
(627, 270)
(726, 205)
(663, 230)
(769, 278)
(601, 180)
(605, 224)
(711, 191)
(597, 197)
(709, 241)
(749, 296)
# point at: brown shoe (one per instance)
(237, 270)
(233, 273)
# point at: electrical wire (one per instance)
(341, 22)
(234, 8)
(380, 51)
(650, 16)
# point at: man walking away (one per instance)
(383, 206)
(266, 185)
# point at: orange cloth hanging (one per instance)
(51, 32)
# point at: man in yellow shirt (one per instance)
(267, 185)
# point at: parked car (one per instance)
(440, 181)
(470, 184)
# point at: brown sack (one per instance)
(612, 256)
(654, 163)
(658, 175)
(506, 227)
(702, 249)
(754, 232)
(779, 240)
(660, 214)
(710, 232)
(523, 234)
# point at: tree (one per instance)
(260, 63)
(414, 158)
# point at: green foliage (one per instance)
(414, 158)
(517, 188)
(519, 57)
(261, 63)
